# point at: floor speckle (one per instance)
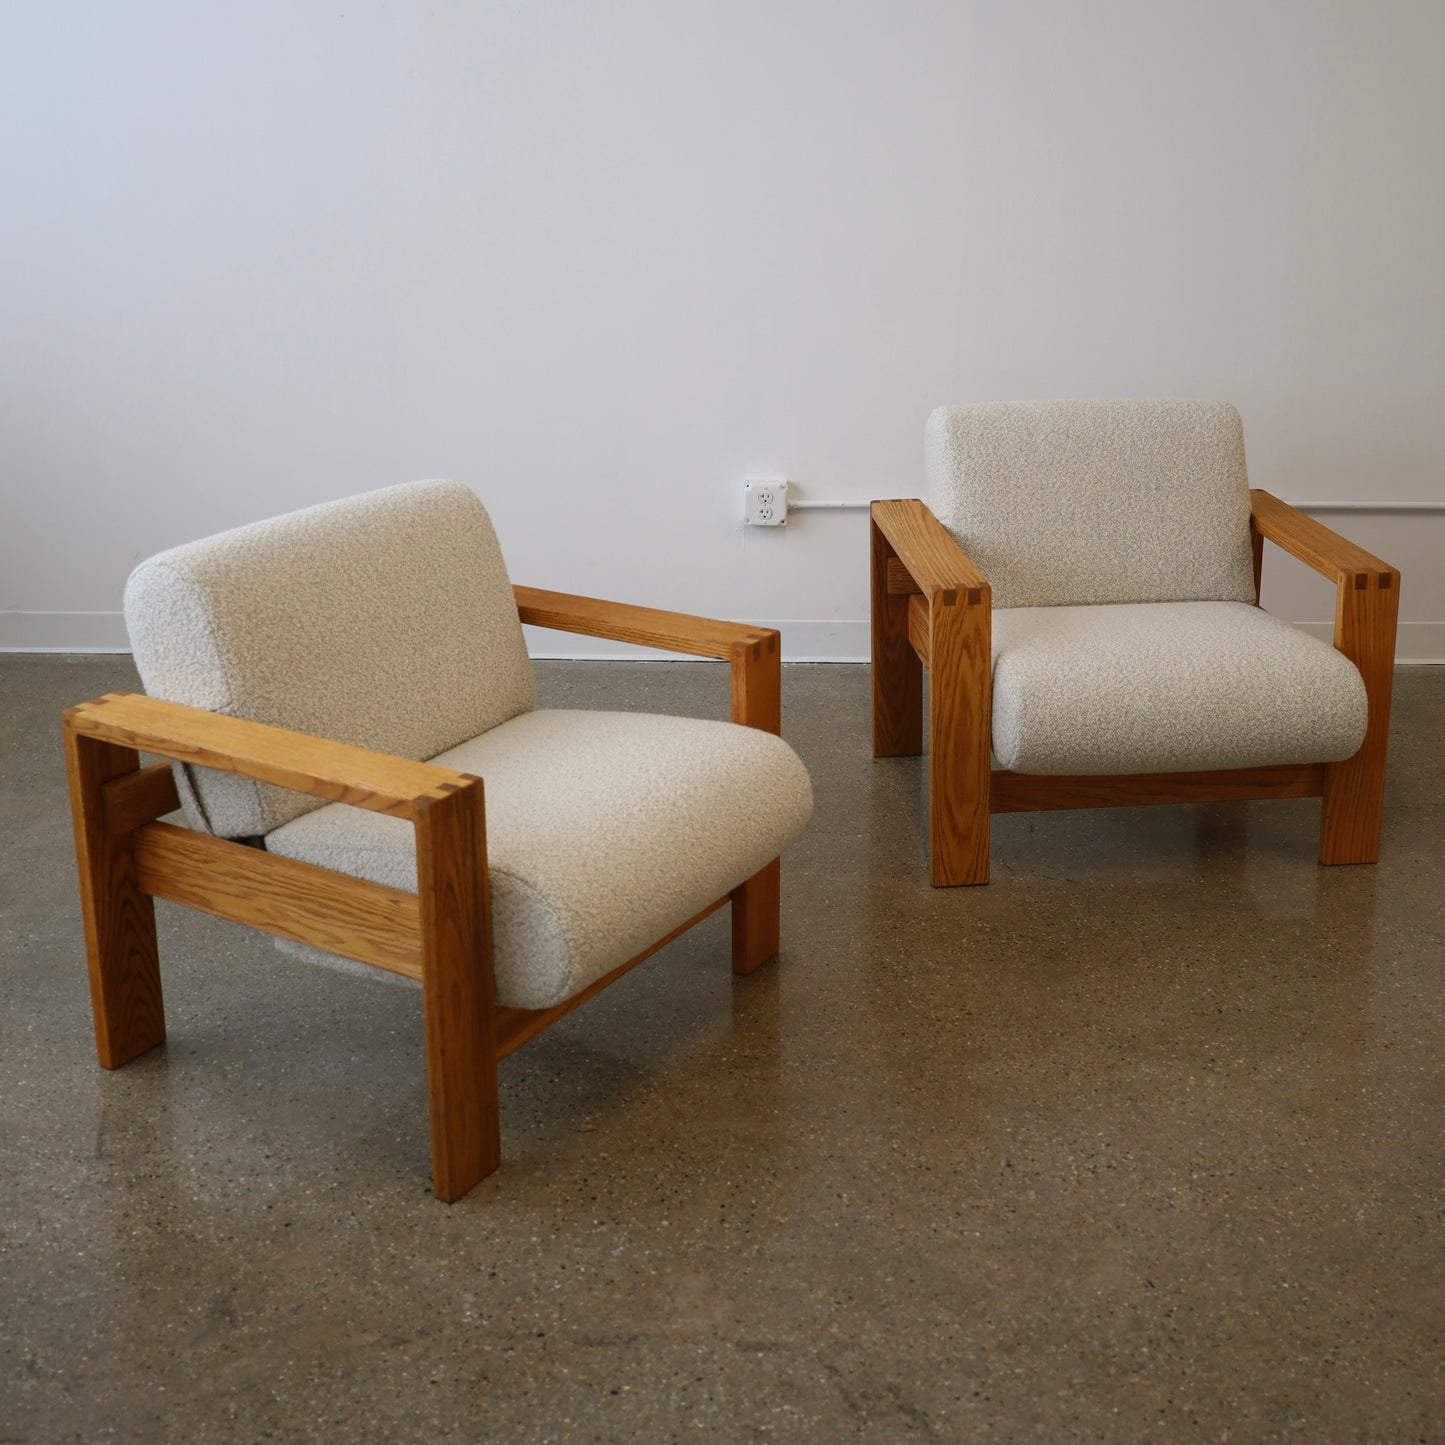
(1140, 1142)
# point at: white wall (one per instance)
(604, 260)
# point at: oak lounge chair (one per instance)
(1084, 593)
(338, 686)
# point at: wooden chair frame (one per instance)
(440, 935)
(931, 607)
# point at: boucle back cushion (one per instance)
(1061, 503)
(386, 620)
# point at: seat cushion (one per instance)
(385, 620)
(605, 831)
(1063, 503)
(1167, 687)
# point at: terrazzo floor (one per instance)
(1140, 1142)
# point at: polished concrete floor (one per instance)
(1141, 1142)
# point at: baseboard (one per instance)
(804, 639)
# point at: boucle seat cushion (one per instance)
(1167, 687)
(384, 620)
(1061, 503)
(605, 831)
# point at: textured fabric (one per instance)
(1066, 502)
(386, 620)
(605, 831)
(1167, 687)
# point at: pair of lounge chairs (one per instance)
(335, 689)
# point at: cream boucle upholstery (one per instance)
(605, 831)
(1167, 687)
(385, 620)
(1061, 503)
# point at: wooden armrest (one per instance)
(754, 652)
(1313, 543)
(646, 626)
(932, 558)
(338, 772)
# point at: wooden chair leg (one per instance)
(757, 682)
(757, 918)
(457, 991)
(897, 672)
(1354, 791)
(120, 922)
(959, 736)
(757, 702)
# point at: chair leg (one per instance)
(457, 991)
(120, 922)
(757, 917)
(757, 702)
(959, 737)
(1354, 791)
(897, 672)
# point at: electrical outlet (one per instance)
(765, 504)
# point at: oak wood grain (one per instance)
(757, 682)
(513, 1027)
(1038, 792)
(897, 674)
(1311, 541)
(757, 918)
(919, 622)
(335, 771)
(959, 736)
(1367, 602)
(140, 797)
(1366, 613)
(623, 622)
(940, 606)
(329, 911)
(457, 990)
(921, 543)
(899, 579)
(118, 915)
(757, 701)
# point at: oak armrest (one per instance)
(335, 771)
(646, 626)
(936, 563)
(1312, 542)
(755, 653)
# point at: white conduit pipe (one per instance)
(1404, 508)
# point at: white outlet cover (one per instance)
(765, 503)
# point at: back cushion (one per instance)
(386, 620)
(1061, 503)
